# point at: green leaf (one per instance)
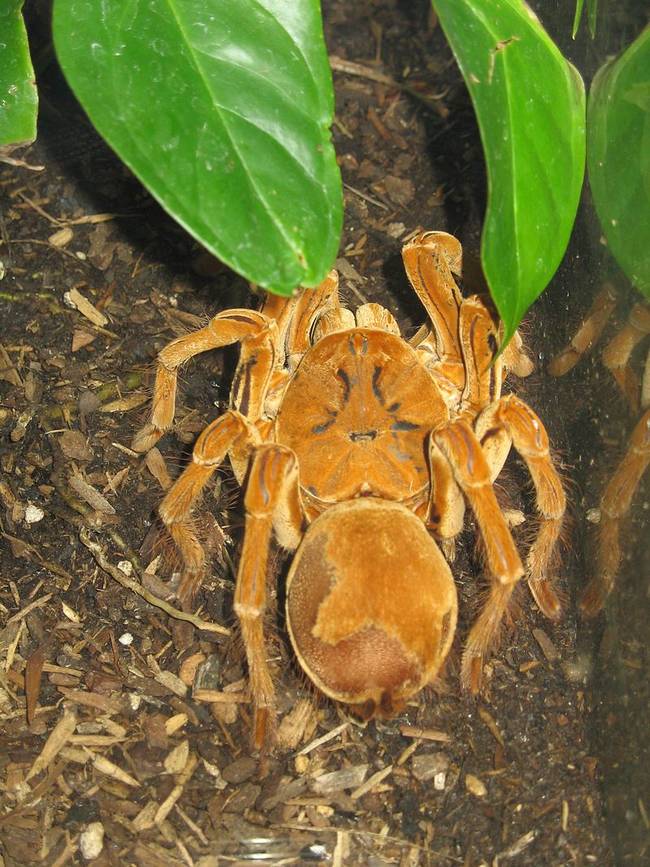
(576, 17)
(530, 106)
(18, 97)
(592, 17)
(618, 154)
(222, 108)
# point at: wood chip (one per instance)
(491, 724)
(8, 370)
(124, 404)
(91, 699)
(517, 847)
(425, 734)
(337, 781)
(176, 760)
(167, 678)
(174, 723)
(33, 674)
(146, 817)
(104, 766)
(475, 786)
(70, 613)
(59, 737)
(301, 719)
(61, 238)
(548, 648)
(37, 603)
(214, 696)
(95, 740)
(90, 495)
(189, 666)
(371, 782)
(81, 338)
(156, 465)
(167, 805)
(334, 733)
(83, 305)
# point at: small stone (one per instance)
(439, 781)
(33, 514)
(243, 799)
(126, 639)
(239, 770)
(91, 841)
(75, 446)
(399, 190)
(396, 230)
(126, 567)
(475, 786)
(429, 765)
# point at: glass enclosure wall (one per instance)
(603, 405)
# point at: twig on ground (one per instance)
(102, 561)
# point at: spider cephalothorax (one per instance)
(359, 451)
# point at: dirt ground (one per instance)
(122, 724)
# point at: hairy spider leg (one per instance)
(478, 341)
(617, 354)
(220, 437)
(430, 260)
(614, 505)
(258, 335)
(588, 333)
(272, 503)
(510, 422)
(463, 451)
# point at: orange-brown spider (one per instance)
(619, 491)
(359, 451)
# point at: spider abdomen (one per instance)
(371, 604)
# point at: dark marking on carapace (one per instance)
(321, 428)
(345, 379)
(361, 435)
(375, 384)
(394, 406)
(404, 425)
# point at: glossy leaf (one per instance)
(222, 108)
(530, 107)
(18, 97)
(618, 152)
(592, 17)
